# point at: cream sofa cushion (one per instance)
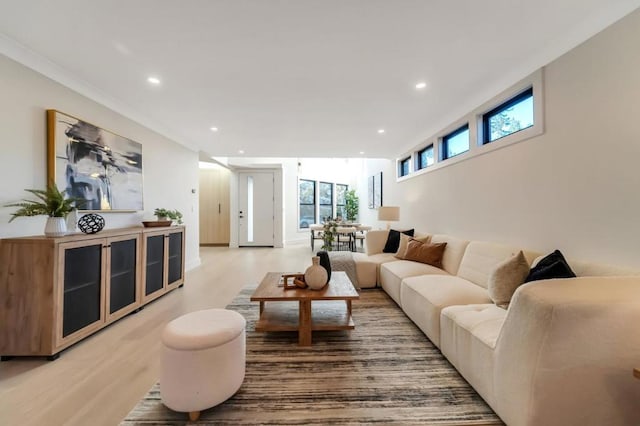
(468, 335)
(566, 353)
(589, 269)
(392, 274)
(423, 297)
(453, 253)
(368, 267)
(506, 277)
(481, 258)
(367, 272)
(375, 240)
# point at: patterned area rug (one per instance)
(385, 371)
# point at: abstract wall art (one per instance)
(377, 190)
(370, 192)
(93, 164)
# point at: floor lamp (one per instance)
(389, 214)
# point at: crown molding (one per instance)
(38, 63)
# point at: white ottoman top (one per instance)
(203, 329)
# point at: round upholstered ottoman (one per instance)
(203, 360)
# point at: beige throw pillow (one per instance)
(429, 253)
(505, 279)
(404, 244)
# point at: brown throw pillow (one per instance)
(404, 243)
(429, 253)
(506, 278)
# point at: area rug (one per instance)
(385, 371)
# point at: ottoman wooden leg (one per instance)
(194, 415)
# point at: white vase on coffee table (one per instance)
(315, 276)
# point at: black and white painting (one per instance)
(370, 191)
(93, 164)
(377, 190)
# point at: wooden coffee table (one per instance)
(326, 314)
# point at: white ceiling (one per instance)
(296, 78)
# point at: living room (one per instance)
(572, 186)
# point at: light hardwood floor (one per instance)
(99, 380)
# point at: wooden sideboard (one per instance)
(55, 292)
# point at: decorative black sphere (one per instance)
(91, 223)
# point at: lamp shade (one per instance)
(389, 213)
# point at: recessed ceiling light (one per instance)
(421, 85)
(153, 80)
(381, 131)
(240, 151)
(214, 129)
(361, 152)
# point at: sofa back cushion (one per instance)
(592, 269)
(375, 240)
(393, 240)
(453, 252)
(481, 258)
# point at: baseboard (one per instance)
(193, 263)
(297, 242)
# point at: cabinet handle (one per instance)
(219, 209)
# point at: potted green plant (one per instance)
(329, 234)
(51, 202)
(165, 214)
(352, 203)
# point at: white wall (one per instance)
(170, 170)
(576, 187)
(337, 170)
(374, 167)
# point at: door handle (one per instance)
(219, 208)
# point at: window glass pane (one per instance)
(342, 212)
(404, 167)
(456, 142)
(425, 157)
(510, 117)
(326, 193)
(326, 213)
(307, 215)
(341, 190)
(307, 202)
(307, 191)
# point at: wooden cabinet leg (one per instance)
(53, 357)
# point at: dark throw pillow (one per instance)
(393, 240)
(551, 266)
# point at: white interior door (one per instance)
(256, 209)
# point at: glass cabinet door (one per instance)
(175, 258)
(154, 264)
(82, 285)
(123, 277)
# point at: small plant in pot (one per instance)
(352, 203)
(164, 214)
(51, 202)
(329, 234)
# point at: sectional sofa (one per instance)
(564, 351)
